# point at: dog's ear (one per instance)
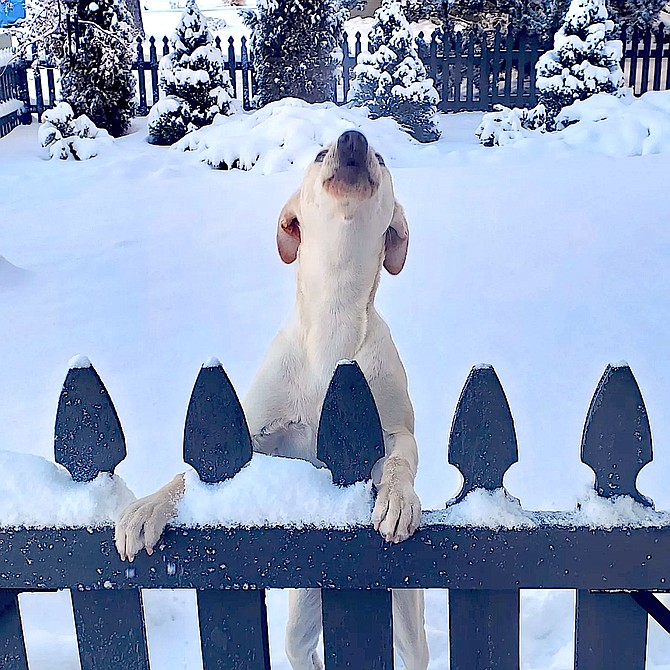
(288, 229)
(396, 241)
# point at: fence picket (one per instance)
(12, 647)
(142, 108)
(610, 632)
(88, 435)
(153, 61)
(658, 59)
(484, 629)
(216, 436)
(233, 630)
(350, 439)
(110, 630)
(247, 88)
(646, 60)
(231, 64)
(616, 441)
(635, 45)
(357, 629)
(482, 441)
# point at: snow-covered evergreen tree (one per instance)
(295, 46)
(636, 13)
(584, 60)
(96, 75)
(390, 79)
(194, 81)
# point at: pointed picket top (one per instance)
(350, 439)
(616, 442)
(88, 436)
(216, 436)
(482, 442)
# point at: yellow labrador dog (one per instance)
(341, 226)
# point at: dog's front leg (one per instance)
(304, 629)
(397, 512)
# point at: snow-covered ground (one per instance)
(546, 258)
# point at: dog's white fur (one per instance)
(342, 225)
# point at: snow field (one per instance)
(547, 258)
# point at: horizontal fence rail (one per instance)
(615, 571)
(471, 71)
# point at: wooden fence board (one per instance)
(110, 630)
(233, 630)
(484, 629)
(610, 632)
(357, 629)
(12, 647)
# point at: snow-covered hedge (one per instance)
(66, 137)
(614, 126)
(288, 133)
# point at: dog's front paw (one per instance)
(143, 522)
(397, 512)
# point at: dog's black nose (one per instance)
(352, 148)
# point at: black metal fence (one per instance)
(13, 93)
(614, 570)
(471, 71)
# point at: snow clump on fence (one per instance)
(37, 493)
(265, 493)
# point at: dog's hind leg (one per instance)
(303, 629)
(409, 630)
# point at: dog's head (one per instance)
(348, 184)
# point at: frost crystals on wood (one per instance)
(88, 436)
(482, 443)
(216, 436)
(616, 442)
(350, 439)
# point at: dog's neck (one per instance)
(337, 280)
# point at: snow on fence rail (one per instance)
(484, 563)
(472, 71)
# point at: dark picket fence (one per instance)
(13, 87)
(472, 71)
(614, 571)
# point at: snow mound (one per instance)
(37, 493)
(266, 493)
(10, 275)
(287, 133)
(485, 509)
(605, 124)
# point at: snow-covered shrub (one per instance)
(584, 60)
(390, 79)
(505, 125)
(194, 80)
(68, 137)
(96, 77)
(636, 13)
(295, 46)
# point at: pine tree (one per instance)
(194, 81)
(636, 13)
(96, 75)
(584, 60)
(295, 46)
(390, 79)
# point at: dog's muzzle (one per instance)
(351, 156)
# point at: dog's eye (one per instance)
(320, 156)
(380, 159)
